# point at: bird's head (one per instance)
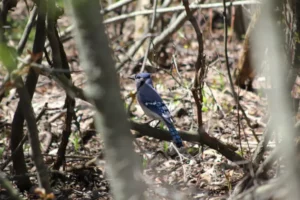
(141, 79)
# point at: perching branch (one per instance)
(201, 136)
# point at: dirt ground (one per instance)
(202, 173)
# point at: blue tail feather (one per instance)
(175, 136)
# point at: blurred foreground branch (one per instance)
(268, 33)
(13, 194)
(103, 91)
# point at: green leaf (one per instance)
(145, 162)
(166, 146)
(75, 141)
(8, 57)
(1, 152)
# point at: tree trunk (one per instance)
(245, 73)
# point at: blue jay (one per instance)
(152, 104)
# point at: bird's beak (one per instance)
(132, 77)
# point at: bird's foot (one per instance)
(149, 121)
(177, 151)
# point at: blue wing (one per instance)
(153, 106)
(161, 109)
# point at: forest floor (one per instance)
(202, 173)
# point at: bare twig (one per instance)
(158, 40)
(229, 74)
(37, 157)
(267, 164)
(115, 6)
(4, 165)
(27, 30)
(259, 170)
(199, 66)
(151, 29)
(261, 147)
(133, 49)
(69, 102)
(176, 9)
(176, 67)
(51, 30)
(42, 112)
(61, 79)
(180, 20)
(24, 139)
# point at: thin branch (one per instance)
(115, 6)
(51, 30)
(56, 74)
(259, 170)
(4, 165)
(267, 164)
(134, 48)
(167, 32)
(199, 65)
(131, 52)
(27, 30)
(235, 96)
(261, 147)
(69, 103)
(176, 9)
(37, 157)
(151, 29)
(158, 40)
(24, 139)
